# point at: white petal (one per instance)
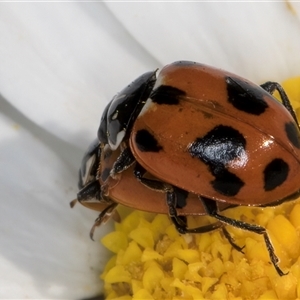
(62, 62)
(257, 40)
(45, 248)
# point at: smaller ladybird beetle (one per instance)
(101, 192)
(198, 131)
(90, 189)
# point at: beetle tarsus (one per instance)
(272, 254)
(102, 218)
(271, 87)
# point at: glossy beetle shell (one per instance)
(218, 135)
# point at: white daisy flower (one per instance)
(60, 65)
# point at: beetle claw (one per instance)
(104, 216)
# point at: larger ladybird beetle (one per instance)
(206, 132)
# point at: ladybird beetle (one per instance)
(89, 194)
(206, 132)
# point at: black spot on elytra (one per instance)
(146, 142)
(227, 183)
(216, 149)
(292, 133)
(219, 146)
(275, 174)
(246, 97)
(166, 94)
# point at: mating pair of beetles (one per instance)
(193, 141)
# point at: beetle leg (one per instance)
(181, 224)
(231, 240)
(90, 191)
(212, 210)
(103, 217)
(271, 87)
(123, 162)
(153, 184)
